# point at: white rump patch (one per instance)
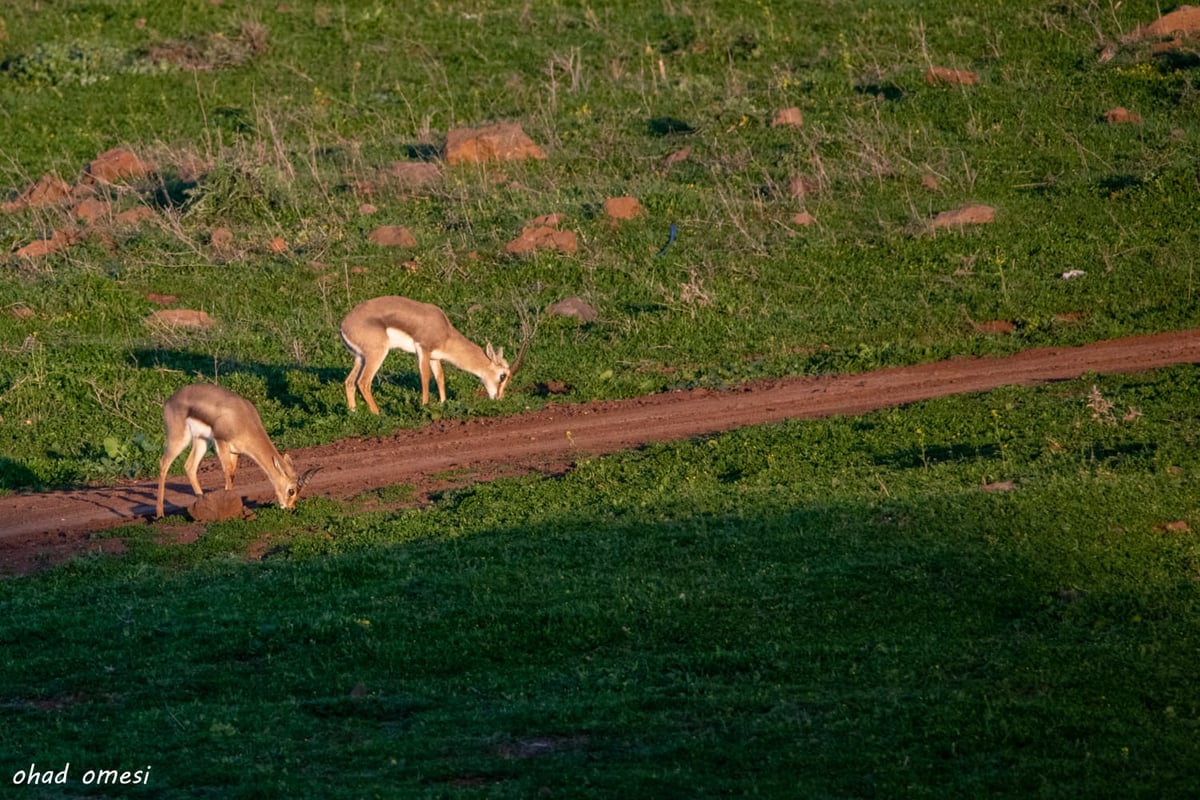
(199, 430)
(398, 339)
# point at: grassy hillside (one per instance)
(986, 595)
(268, 121)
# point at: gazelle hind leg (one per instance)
(176, 444)
(371, 364)
(352, 380)
(199, 448)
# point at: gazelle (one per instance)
(381, 324)
(203, 413)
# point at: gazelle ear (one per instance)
(489, 352)
(499, 355)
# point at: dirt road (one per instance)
(44, 528)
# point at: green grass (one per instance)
(831, 608)
(810, 609)
(257, 140)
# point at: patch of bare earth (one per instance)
(39, 530)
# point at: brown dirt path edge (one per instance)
(39, 529)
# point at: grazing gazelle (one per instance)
(381, 324)
(204, 413)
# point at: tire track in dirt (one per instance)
(41, 528)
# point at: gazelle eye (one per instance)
(503, 377)
(291, 492)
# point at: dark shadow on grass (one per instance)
(420, 151)
(16, 476)
(200, 367)
(666, 126)
(1113, 184)
(885, 91)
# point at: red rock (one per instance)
(91, 209)
(954, 77)
(1121, 115)
(180, 318)
(543, 238)
(415, 174)
(221, 238)
(49, 190)
(573, 307)
(392, 236)
(967, 215)
(622, 208)
(1185, 20)
(500, 142)
(117, 164)
(134, 216)
(787, 117)
(58, 240)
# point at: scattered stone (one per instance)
(547, 220)
(804, 218)
(501, 142)
(543, 238)
(955, 77)
(278, 245)
(220, 239)
(802, 186)
(1184, 20)
(415, 174)
(58, 240)
(621, 208)
(573, 307)
(1001, 327)
(392, 236)
(999, 486)
(367, 209)
(21, 311)
(678, 156)
(49, 190)
(161, 299)
(132, 217)
(218, 505)
(547, 388)
(1072, 273)
(1176, 526)
(180, 318)
(930, 182)
(115, 165)
(966, 215)
(91, 209)
(1122, 116)
(787, 117)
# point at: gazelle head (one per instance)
(287, 483)
(495, 378)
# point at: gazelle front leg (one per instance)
(229, 461)
(436, 366)
(425, 367)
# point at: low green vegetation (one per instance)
(989, 595)
(976, 596)
(271, 121)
